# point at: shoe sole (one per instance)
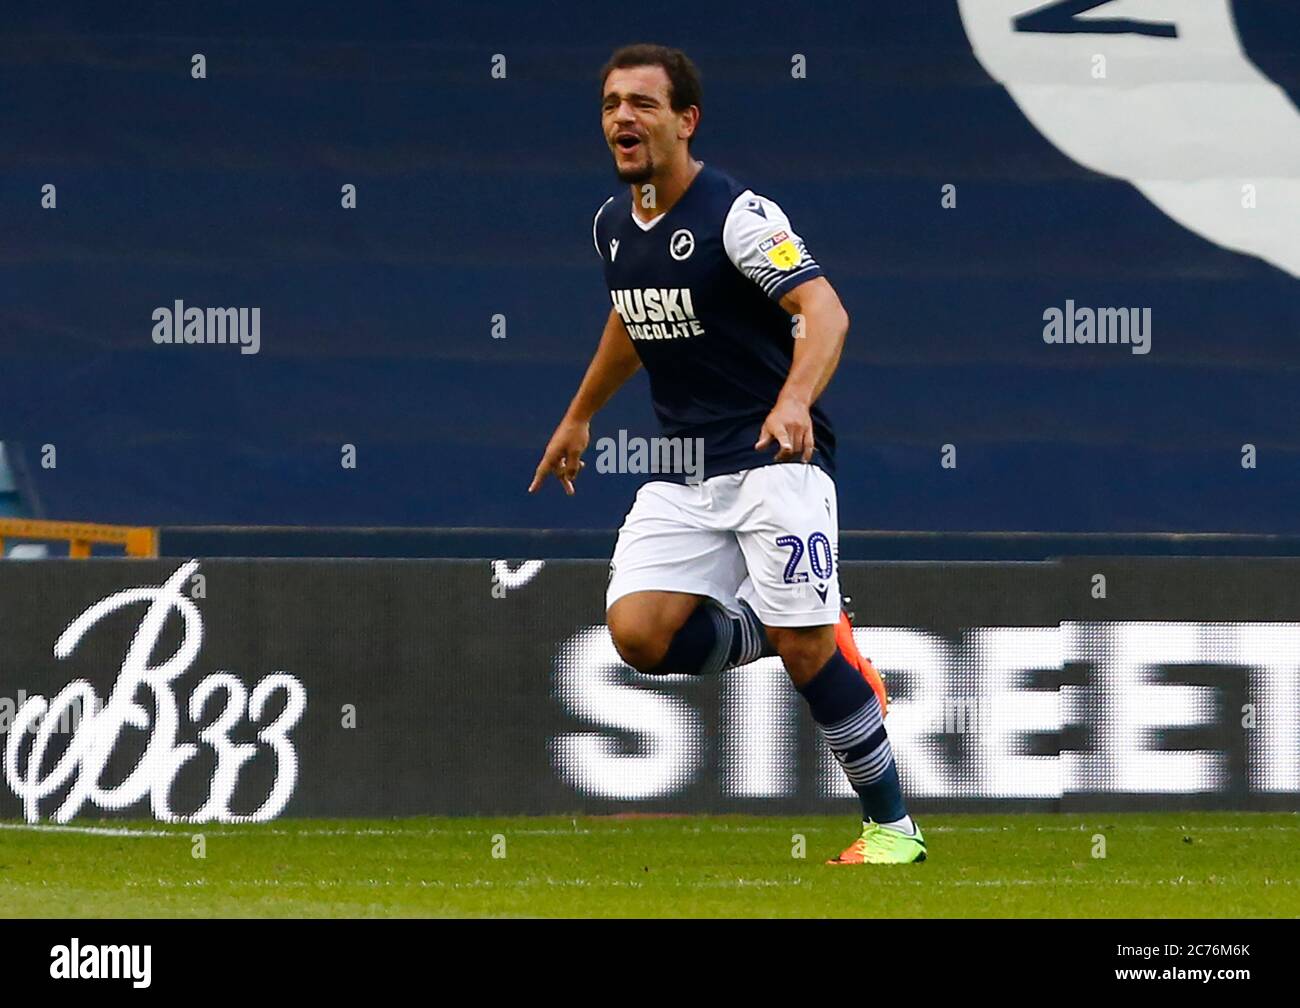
(858, 864)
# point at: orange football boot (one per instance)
(844, 641)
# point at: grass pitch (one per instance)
(1167, 865)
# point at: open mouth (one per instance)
(627, 142)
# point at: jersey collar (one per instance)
(647, 225)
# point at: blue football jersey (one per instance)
(699, 289)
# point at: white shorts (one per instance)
(768, 535)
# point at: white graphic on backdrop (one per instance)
(995, 713)
(1188, 119)
(103, 724)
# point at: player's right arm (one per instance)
(615, 362)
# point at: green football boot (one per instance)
(881, 845)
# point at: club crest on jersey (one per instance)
(657, 313)
(681, 244)
(780, 250)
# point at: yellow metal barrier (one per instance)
(139, 541)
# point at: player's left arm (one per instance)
(820, 327)
(763, 245)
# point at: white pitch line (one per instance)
(254, 830)
(88, 830)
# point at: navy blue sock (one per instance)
(848, 712)
(712, 639)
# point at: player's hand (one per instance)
(562, 458)
(789, 427)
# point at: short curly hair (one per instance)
(684, 88)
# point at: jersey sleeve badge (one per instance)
(780, 250)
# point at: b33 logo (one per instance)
(103, 724)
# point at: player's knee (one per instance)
(640, 646)
(803, 650)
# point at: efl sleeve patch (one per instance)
(781, 250)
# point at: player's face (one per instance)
(641, 128)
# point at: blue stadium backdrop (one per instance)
(1163, 177)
